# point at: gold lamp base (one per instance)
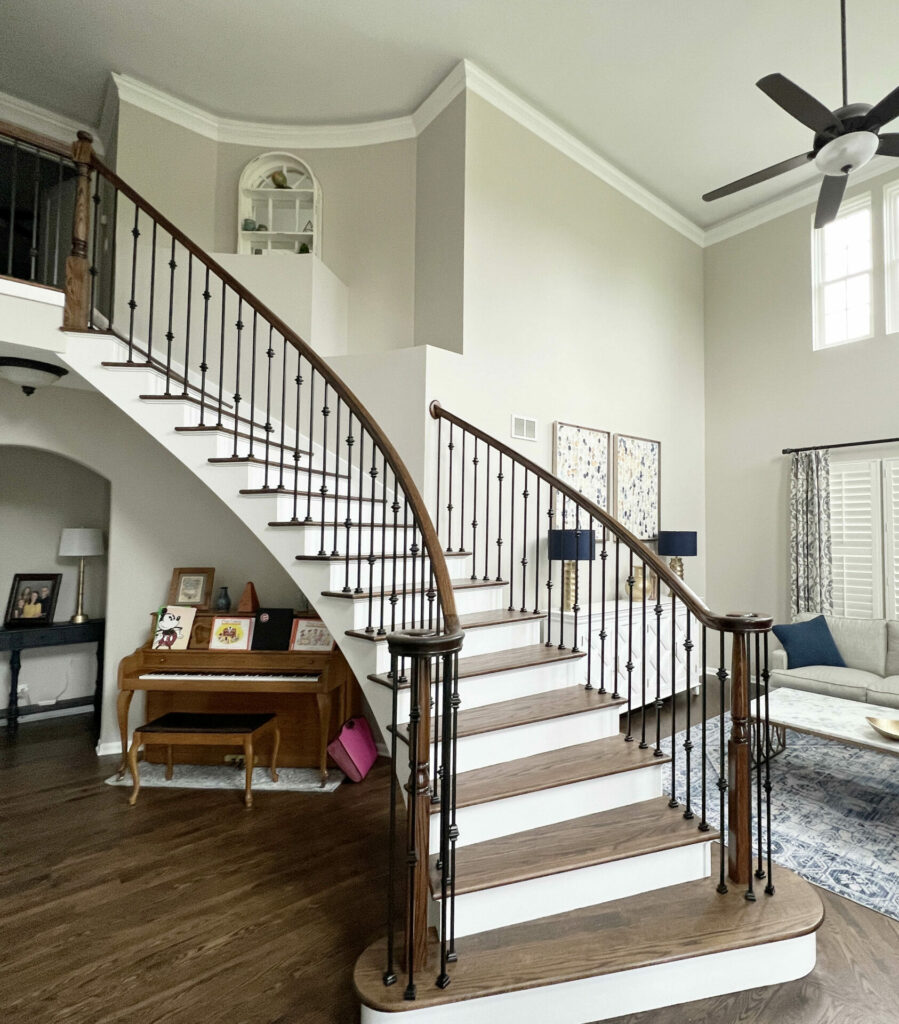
(79, 615)
(676, 565)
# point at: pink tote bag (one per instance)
(354, 749)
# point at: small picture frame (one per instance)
(171, 631)
(32, 599)
(231, 633)
(309, 634)
(192, 588)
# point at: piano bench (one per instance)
(212, 730)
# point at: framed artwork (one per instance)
(32, 599)
(581, 458)
(172, 629)
(638, 483)
(310, 635)
(231, 633)
(192, 588)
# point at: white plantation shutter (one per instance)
(891, 535)
(856, 538)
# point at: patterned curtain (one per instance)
(811, 577)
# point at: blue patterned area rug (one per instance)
(834, 811)
(213, 776)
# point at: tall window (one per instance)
(841, 272)
(891, 254)
(864, 524)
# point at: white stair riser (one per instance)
(478, 691)
(484, 639)
(481, 822)
(534, 738)
(471, 599)
(373, 572)
(256, 477)
(308, 541)
(553, 894)
(625, 992)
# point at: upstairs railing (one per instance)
(276, 405)
(500, 509)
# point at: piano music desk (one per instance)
(275, 673)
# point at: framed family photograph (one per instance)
(192, 588)
(32, 599)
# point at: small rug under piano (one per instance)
(214, 776)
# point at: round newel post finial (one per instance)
(84, 136)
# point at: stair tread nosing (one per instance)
(553, 768)
(390, 556)
(364, 596)
(649, 826)
(470, 620)
(666, 925)
(273, 465)
(530, 656)
(537, 707)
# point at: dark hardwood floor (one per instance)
(188, 909)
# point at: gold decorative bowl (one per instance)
(887, 727)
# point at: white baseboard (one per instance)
(40, 716)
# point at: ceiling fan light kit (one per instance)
(845, 139)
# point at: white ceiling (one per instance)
(663, 89)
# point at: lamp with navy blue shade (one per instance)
(677, 544)
(570, 546)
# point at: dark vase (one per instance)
(223, 600)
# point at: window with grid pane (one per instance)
(891, 254)
(842, 274)
(855, 536)
(891, 535)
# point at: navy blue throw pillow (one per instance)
(809, 643)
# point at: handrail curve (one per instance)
(730, 623)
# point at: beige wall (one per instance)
(579, 306)
(173, 168)
(440, 229)
(767, 390)
(40, 495)
(367, 236)
(160, 515)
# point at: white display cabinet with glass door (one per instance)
(278, 207)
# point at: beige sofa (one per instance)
(870, 648)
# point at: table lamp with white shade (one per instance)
(80, 543)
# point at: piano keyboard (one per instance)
(218, 677)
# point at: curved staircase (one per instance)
(564, 883)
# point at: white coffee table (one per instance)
(830, 717)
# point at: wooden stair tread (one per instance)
(663, 926)
(342, 558)
(330, 495)
(562, 767)
(255, 460)
(630, 831)
(500, 661)
(456, 584)
(470, 620)
(211, 428)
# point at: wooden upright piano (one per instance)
(233, 681)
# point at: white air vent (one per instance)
(524, 428)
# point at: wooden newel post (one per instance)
(75, 315)
(419, 823)
(739, 829)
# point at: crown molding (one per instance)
(434, 104)
(47, 122)
(545, 128)
(250, 133)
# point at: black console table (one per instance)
(56, 634)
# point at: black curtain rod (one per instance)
(845, 444)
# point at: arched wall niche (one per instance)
(278, 206)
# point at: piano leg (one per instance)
(276, 743)
(248, 759)
(135, 771)
(324, 723)
(123, 703)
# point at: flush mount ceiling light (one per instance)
(30, 374)
(845, 139)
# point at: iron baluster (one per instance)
(722, 771)
(512, 539)
(381, 629)
(589, 685)
(673, 801)
(577, 582)
(237, 396)
(643, 744)
(222, 356)
(537, 548)
(336, 498)
(499, 521)
(373, 473)
(486, 575)
(760, 870)
(348, 521)
(394, 508)
(389, 976)
(152, 294)
(549, 571)
(253, 391)
(769, 888)
(267, 428)
(59, 179)
(462, 496)
(169, 334)
(204, 366)
(474, 514)
(449, 502)
(283, 413)
(132, 302)
(455, 703)
(524, 542)
(190, 285)
(439, 466)
(688, 741)
(298, 380)
(703, 822)
(12, 208)
(112, 259)
(658, 752)
(358, 588)
(415, 714)
(603, 557)
(629, 664)
(35, 217)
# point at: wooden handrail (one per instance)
(731, 623)
(30, 138)
(402, 475)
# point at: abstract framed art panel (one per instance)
(638, 482)
(581, 458)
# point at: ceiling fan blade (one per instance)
(797, 102)
(829, 198)
(759, 176)
(883, 112)
(889, 145)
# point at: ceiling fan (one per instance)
(845, 139)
